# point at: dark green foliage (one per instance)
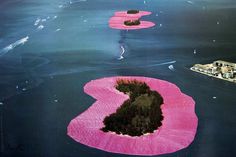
(132, 11)
(138, 115)
(132, 22)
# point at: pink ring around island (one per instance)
(178, 126)
(117, 21)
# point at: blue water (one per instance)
(50, 49)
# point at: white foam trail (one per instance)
(13, 45)
(122, 52)
(190, 2)
(37, 21)
(40, 27)
(44, 20)
(71, 2)
(171, 67)
(165, 63)
(57, 30)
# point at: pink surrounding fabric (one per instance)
(117, 21)
(178, 126)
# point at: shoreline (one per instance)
(125, 135)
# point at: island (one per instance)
(132, 11)
(219, 69)
(140, 114)
(177, 130)
(132, 22)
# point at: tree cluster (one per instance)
(138, 115)
(132, 11)
(132, 22)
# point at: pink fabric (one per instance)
(178, 126)
(117, 21)
(140, 14)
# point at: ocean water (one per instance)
(50, 49)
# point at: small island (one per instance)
(218, 69)
(140, 114)
(132, 11)
(132, 22)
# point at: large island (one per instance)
(140, 114)
(218, 69)
(175, 131)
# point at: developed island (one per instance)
(218, 69)
(138, 115)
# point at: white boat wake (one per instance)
(57, 29)
(122, 52)
(71, 2)
(190, 2)
(40, 27)
(37, 21)
(13, 45)
(164, 63)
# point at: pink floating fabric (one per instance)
(139, 14)
(178, 126)
(117, 21)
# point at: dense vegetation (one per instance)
(138, 115)
(132, 22)
(132, 11)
